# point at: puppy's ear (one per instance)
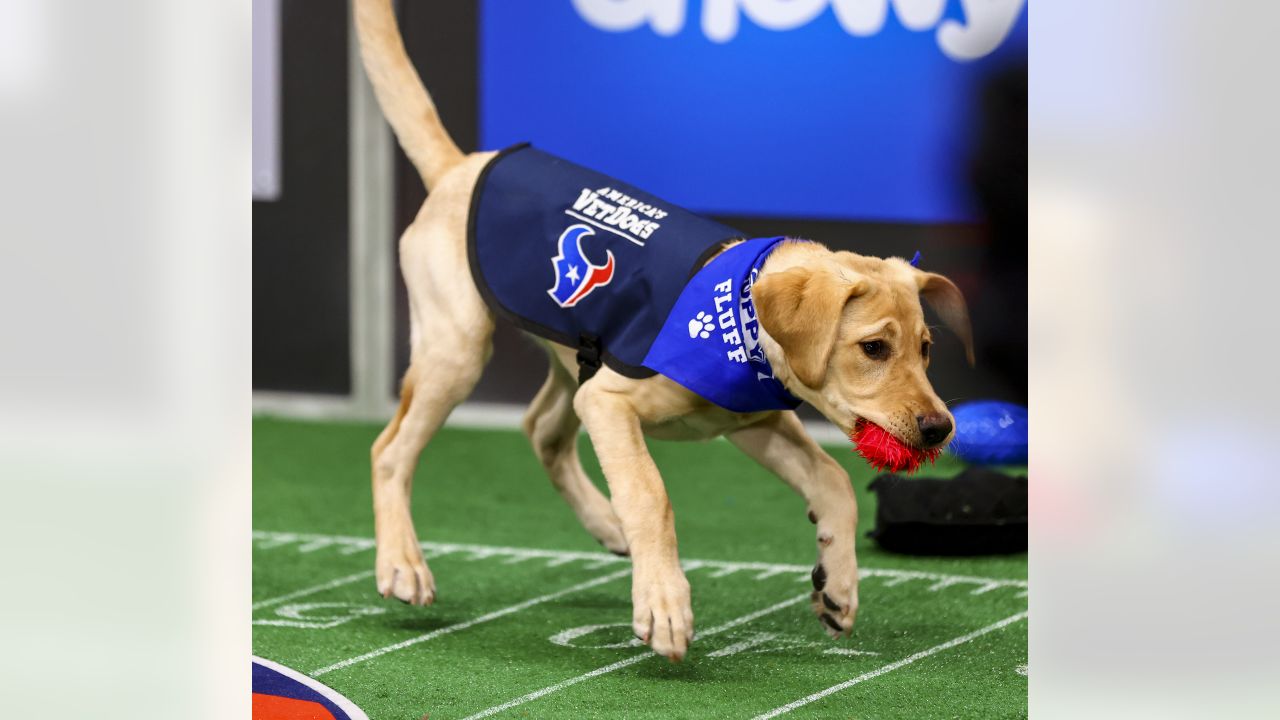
(946, 300)
(800, 308)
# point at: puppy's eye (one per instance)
(924, 350)
(875, 349)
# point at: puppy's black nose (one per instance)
(934, 428)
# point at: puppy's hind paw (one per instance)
(607, 530)
(615, 543)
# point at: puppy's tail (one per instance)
(403, 99)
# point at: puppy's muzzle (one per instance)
(934, 429)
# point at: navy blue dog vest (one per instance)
(582, 259)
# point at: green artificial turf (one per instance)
(312, 512)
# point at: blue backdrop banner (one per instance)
(840, 109)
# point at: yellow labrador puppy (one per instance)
(843, 332)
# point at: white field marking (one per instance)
(315, 545)
(353, 548)
(565, 638)
(471, 623)
(275, 540)
(304, 624)
(299, 615)
(592, 560)
(781, 641)
(891, 667)
(631, 660)
(336, 582)
(776, 641)
(753, 641)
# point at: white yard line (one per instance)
(336, 582)
(342, 544)
(471, 623)
(631, 660)
(891, 667)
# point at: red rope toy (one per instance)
(884, 452)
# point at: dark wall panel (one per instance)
(301, 319)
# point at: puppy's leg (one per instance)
(401, 568)
(662, 612)
(780, 444)
(438, 379)
(451, 334)
(552, 427)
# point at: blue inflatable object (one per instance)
(989, 432)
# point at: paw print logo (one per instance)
(701, 326)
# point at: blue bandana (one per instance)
(710, 343)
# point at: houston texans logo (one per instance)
(576, 277)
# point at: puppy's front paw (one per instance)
(402, 572)
(663, 613)
(835, 595)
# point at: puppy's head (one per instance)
(846, 333)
